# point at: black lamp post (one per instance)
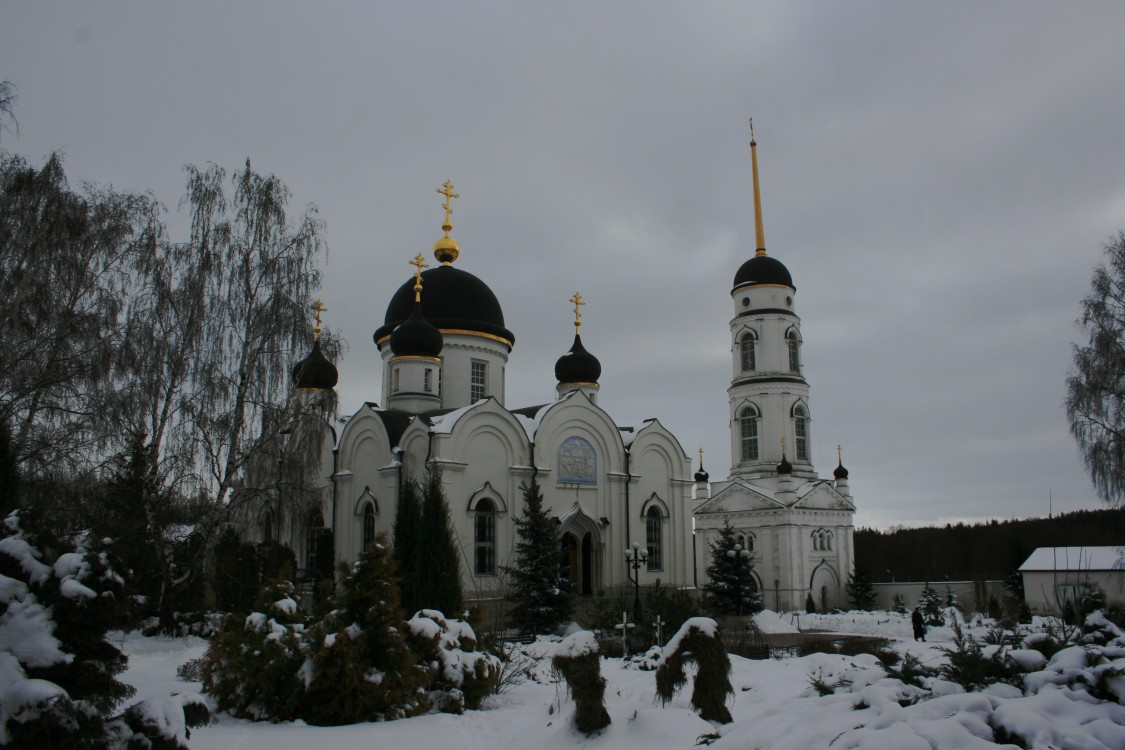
(635, 557)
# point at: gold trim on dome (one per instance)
(459, 332)
(414, 358)
(582, 384)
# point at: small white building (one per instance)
(1053, 576)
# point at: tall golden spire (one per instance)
(759, 233)
(576, 300)
(419, 263)
(318, 307)
(446, 249)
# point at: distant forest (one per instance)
(983, 551)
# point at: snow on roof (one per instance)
(443, 424)
(1075, 558)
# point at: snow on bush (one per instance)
(57, 670)
(462, 676)
(697, 640)
(576, 659)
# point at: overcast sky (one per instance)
(939, 178)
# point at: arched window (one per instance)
(748, 545)
(748, 427)
(746, 352)
(801, 432)
(654, 527)
(314, 527)
(267, 527)
(794, 350)
(828, 541)
(484, 535)
(368, 525)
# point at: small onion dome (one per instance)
(417, 336)
(315, 371)
(578, 365)
(762, 269)
(840, 472)
(784, 467)
(702, 475)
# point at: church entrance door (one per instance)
(578, 562)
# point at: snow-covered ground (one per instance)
(774, 706)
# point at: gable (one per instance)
(821, 495)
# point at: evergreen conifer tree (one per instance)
(930, 603)
(730, 589)
(361, 639)
(542, 597)
(437, 583)
(860, 590)
(9, 476)
(408, 517)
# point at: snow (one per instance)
(577, 644)
(28, 558)
(774, 705)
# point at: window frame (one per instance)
(654, 538)
(749, 416)
(484, 538)
(478, 380)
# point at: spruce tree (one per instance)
(408, 517)
(542, 597)
(361, 666)
(730, 589)
(860, 590)
(9, 476)
(930, 603)
(438, 576)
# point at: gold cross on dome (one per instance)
(318, 307)
(783, 447)
(447, 191)
(701, 458)
(419, 263)
(840, 454)
(578, 303)
(751, 129)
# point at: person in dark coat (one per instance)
(919, 625)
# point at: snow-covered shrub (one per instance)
(165, 723)
(931, 604)
(359, 666)
(697, 640)
(462, 676)
(578, 661)
(974, 666)
(910, 670)
(57, 670)
(251, 667)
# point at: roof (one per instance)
(1075, 558)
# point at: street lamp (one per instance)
(635, 557)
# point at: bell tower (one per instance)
(768, 394)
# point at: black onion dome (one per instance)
(762, 269)
(784, 467)
(578, 365)
(315, 371)
(453, 300)
(702, 475)
(840, 472)
(417, 336)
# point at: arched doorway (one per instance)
(577, 561)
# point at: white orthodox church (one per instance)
(445, 347)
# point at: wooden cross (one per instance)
(624, 628)
(419, 263)
(578, 303)
(318, 307)
(659, 625)
(447, 191)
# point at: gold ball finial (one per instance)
(318, 307)
(446, 249)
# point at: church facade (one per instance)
(444, 347)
